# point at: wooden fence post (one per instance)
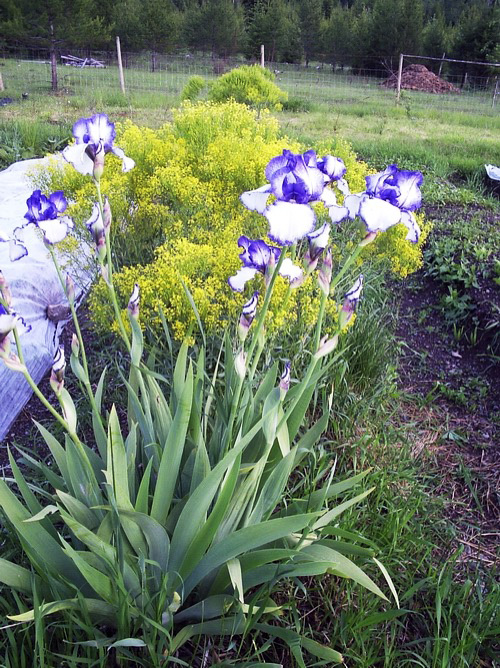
(120, 66)
(1, 83)
(262, 55)
(400, 73)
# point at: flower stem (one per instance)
(86, 382)
(35, 388)
(352, 257)
(109, 282)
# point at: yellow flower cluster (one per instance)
(177, 218)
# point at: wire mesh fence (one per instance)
(29, 71)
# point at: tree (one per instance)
(395, 27)
(55, 23)
(337, 36)
(275, 24)
(160, 23)
(477, 36)
(215, 25)
(310, 15)
(436, 37)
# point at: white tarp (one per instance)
(493, 172)
(34, 285)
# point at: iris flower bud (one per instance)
(325, 273)
(247, 316)
(133, 302)
(57, 373)
(350, 302)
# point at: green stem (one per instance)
(109, 282)
(86, 382)
(35, 388)
(265, 307)
(352, 257)
(321, 315)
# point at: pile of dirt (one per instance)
(418, 77)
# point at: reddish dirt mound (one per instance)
(418, 77)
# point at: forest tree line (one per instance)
(354, 33)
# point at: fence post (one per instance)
(400, 73)
(441, 64)
(120, 66)
(1, 83)
(262, 55)
(495, 91)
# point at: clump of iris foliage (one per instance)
(173, 518)
(180, 213)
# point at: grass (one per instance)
(448, 596)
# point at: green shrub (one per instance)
(193, 88)
(249, 84)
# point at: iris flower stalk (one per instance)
(85, 376)
(256, 339)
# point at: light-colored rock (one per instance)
(34, 285)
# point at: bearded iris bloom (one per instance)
(46, 213)
(258, 257)
(390, 198)
(94, 138)
(8, 322)
(295, 180)
(17, 249)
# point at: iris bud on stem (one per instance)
(326, 346)
(70, 289)
(57, 373)
(240, 364)
(133, 303)
(325, 273)
(247, 316)
(371, 236)
(5, 290)
(98, 162)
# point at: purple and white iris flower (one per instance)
(390, 198)
(94, 138)
(295, 180)
(258, 257)
(9, 321)
(17, 249)
(351, 299)
(46, 213)
(247, 316)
